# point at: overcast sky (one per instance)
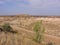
(34, 7)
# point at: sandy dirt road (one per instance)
(47, 38)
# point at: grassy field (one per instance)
(24, 27)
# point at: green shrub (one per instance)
(7, 28)
(39, 31)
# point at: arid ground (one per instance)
(24, 26)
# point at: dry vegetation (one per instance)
(25, 33)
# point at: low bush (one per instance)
(7, 28)
(39, 31)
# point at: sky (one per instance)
(32, 7)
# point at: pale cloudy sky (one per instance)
(34, 7)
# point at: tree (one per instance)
(39, 30)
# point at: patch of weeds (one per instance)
(39, 31)
(7, 28)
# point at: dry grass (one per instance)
(24, 37)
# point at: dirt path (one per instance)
(16, 27)
(47, 38)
